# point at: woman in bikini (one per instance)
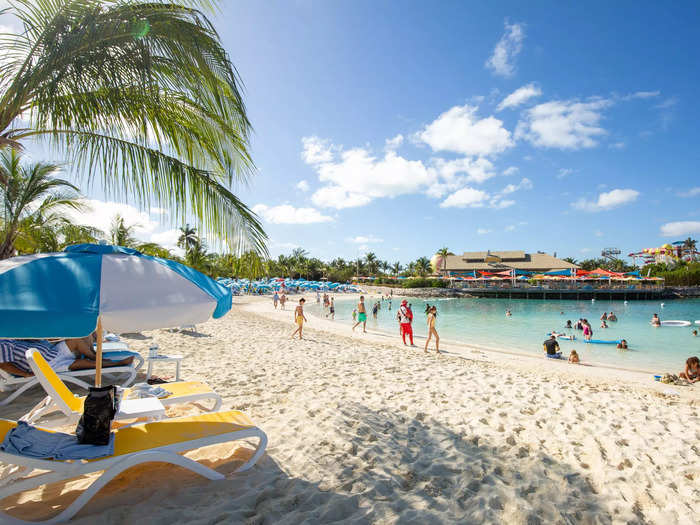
(432, 314)
(299, 318)
(692, 370)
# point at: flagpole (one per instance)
(98, 363)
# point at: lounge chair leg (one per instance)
(262, 444)
(109, 474)
(19, 392)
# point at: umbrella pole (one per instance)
(98, 363)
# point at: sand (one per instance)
(364, 430)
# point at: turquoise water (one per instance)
(483, 322)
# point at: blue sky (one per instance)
(402, 127)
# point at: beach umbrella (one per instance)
(92, 287)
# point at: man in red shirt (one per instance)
(405, 319)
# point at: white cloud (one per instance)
(599, 233)
(676, 229)
(287, 214)
(466, 197)
(394, 143)
(520, 96)
(499, 204)
(501, 62)
(361, 239)
(564, 172)
(563, 124)
(512, 170)
(460, 130)
(316, 150)
(358, 178)
(100, 214)
(617, 145)
(302, 185)
(482, 231)
(168, 239)
(456, 173)
(524, 184)
(510, 228)
(642, 94)
(692, 192)
(608, 200)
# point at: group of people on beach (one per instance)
(279, 299)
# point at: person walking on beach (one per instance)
(283, 299)
(405, 319)
(299, 318)
(361, 315)
(275, 300)
(432, 315)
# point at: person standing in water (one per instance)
(299, 318)
(432, 315)
(361, 315)
(331, 312)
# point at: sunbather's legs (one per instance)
(87, 364)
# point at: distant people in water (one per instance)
(375, 309)
(331, 310)
(508, 313)
(299, 318)
(603, 324)
(692, 370)
(612, 317)
(551, 348)
(579, 324)
(604, 317)
(568, 324)
(655, 321)
(573, 357)
(622, 345)
(432, 332)
(695, 333)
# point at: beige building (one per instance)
(499, 261)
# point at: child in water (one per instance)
(573, 357)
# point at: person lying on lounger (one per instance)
(62, 356)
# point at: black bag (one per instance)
(98, 412)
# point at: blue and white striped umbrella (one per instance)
(62, 295)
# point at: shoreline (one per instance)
(501, 356)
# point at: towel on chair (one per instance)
(29, 441)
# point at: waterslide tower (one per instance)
(612, 254)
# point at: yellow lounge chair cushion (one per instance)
(147, 436)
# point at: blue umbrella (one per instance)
(94, 287)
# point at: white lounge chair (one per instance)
(60, 398)
(19, 385)
(158, 441)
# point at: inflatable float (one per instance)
(562, 336)
(697, 322)
(675, 323)
(601, 342)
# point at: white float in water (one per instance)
(625, 302)
(663, 304)
(675, 323)
(593, 300)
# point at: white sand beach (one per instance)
(364, 430)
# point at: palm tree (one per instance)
(120, 234)
(372, 263)
(140, 93)
(422, 266)
(443, 253)
(396, 268)
(29, 195)
(188, 238)
(570, 260)
(690, 245)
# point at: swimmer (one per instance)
(568, 324)
(622, 345)
(508, 313)
(604, 317)
(655, 321)
(573, 357)
(612, 317)
(603, 324)
(695, 333)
